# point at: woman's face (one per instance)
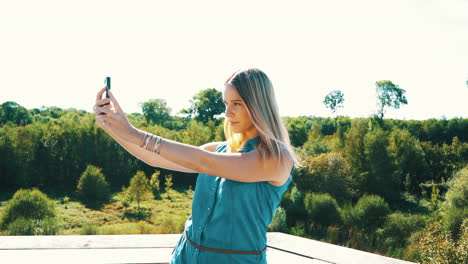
(236, 113)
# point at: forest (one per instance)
(393, 187)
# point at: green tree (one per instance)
(389, 95)
(92, 187)
(156, 111)
(408, 157)
(380, 177)
(11, 111)
(206, 105)
(139, 188)
(328, 172)
(436, 246)
(155, 186)
(334, 100)
(297, 131)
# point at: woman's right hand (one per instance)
(100, 103)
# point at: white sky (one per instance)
(57, 53)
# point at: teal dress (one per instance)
(229, 215)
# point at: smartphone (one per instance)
(107, 81)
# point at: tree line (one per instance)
(370, 183)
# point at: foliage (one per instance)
(334, 100)
(322, 209)
(12, 112)
(31, 208)
(379, 177)
(168, 186)
(455, 207)
(139, 188)
(92, 187)
(33, 227)
(328, 173)
(398, 228)
(389, 95)
(408, 157)
(206, 105)
(156, 111)
(278, 224)
(437, 246)
(297, 130)
(371, 212)
(316, 143)
(154, 184)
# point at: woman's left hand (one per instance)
(112, 118)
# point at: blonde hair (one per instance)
(256, 91)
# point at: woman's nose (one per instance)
(228, 112)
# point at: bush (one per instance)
(436, 246)
(93, 187)
(30, 205)
(398, 228)
(89, 229)
(32, 227)
(322, 209)
(326, 173)
(371, 211)
(455, 207)
(348, 215)
(279, 221)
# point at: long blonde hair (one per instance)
(256, 91)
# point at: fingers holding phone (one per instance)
(107, 81)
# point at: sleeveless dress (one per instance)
(229, 215)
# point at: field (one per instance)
(165, 216)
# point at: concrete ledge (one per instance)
(282, 248)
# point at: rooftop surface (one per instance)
(281, 248)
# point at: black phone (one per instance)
(107, 81)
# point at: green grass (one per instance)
(165, 216)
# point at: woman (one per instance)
(240, 181)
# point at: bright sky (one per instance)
(57, 53)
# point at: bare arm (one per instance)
(145, 155)
(242, 167)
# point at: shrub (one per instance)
(454, 209)
(29, 205)
(322, 209)
(89, 229)
(279, 221)
(348, 215)
(32, 227)
(398, 228)
(371, 211)
(92, 186)
(436, 246)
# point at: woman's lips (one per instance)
(233, 123)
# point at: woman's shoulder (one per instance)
(212, 146)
